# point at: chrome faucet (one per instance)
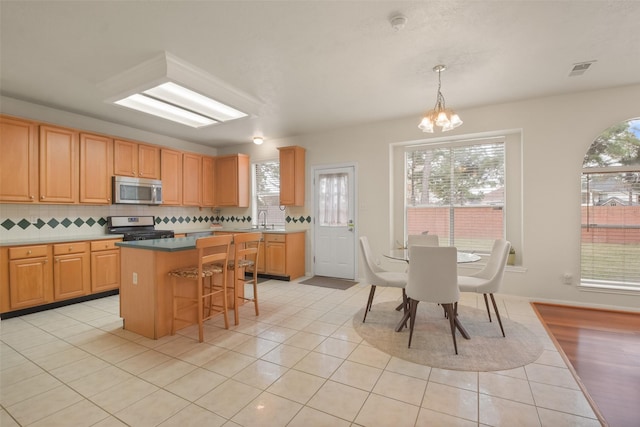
(264, 222)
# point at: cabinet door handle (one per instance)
(42, 197)
(31, 197)
(57, 259)
(28, 252)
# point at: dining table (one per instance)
(402, 254)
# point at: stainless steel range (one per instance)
(136, 228)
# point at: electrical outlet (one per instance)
(567, 278)
(135, 278)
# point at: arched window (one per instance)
(610, 254)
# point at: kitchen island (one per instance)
(145, 289)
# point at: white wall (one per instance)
(556, 133)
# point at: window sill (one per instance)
(609, 288)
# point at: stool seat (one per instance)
(241, 264)
(191, 272)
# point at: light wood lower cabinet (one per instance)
(282, 255)
(71, 270)
(29, 281)
(35, 275)
(105, 265)
(275, 254)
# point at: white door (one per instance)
(334, 224)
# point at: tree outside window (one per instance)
(610, 249)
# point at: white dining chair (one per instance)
(423, 240)
(488, 280)
(433, 273)
(377, 276)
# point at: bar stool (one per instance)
(245, 254)
(213, 255)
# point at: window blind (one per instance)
(457, 192)
(267, 194)
(610, 249)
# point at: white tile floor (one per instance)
(299, 363)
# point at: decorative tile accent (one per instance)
(8, 224)
(300, 219)
(97, 224)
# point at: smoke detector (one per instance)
(398, 22)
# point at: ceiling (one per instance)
(316, 65)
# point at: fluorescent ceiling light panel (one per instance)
(164, 79)
(166, 111)
(193, 101)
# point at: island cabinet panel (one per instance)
(191, 179)
(59, 174)
(29, 277)
(71, 270)
(232, 180)
(208, 181)
(96, 169)
(105, 265)
(292, 175)
(19, 160)
(134, 159)
(171, 177)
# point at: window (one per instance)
(457, 192)
(610, 240)
(266, 193)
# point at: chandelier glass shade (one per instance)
(440, 115)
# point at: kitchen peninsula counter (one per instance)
(146, 288)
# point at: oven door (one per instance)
(137, 191)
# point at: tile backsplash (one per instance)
(23, 221)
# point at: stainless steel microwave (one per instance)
(137, 191)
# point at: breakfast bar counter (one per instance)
(145, 289)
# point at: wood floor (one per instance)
(603, 347)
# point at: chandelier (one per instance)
(440, 115)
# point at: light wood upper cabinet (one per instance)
(134, 159)
(208, 181)
(292, 174)
(19, 160)
(191, 179)
(232, 180)
(58, 165)
(96, 168)
(171, 177)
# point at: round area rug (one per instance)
(432, 345)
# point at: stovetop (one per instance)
(136, 228)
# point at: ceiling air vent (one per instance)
(580, 68)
